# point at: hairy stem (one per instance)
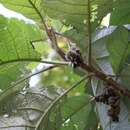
(99, 74)
(89, 32)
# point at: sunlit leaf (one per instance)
(24, 7)
(15, 45)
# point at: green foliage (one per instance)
(16, 37)
(55, 105)
(79, 110)
(120, 14)
(15, 42)
(119, 48)
(24, 7)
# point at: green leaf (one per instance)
(3, 22)
(64, 10)
(125, 80)
(75, 13)
(92, 120)
(24, 7)
(78, 111)
(15, 45)
(125, 76)
(73, 105)
(10, 73)
(121, 13)
(119, 48)
(15, 40)
(106, 46)
(100, 52)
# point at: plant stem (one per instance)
(50, 32)
(38, 12)
(89, 32)
(111, 83)
(33, 60)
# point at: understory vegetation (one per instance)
(62, 67)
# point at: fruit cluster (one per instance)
(111, 98)
(74, 56)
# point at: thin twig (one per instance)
(33, 74)
(60, 34)
(36, 41)
(33, 60)
(57, 100)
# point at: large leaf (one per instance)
(24, 7)
(65, 11)
(68, 14)
(15, 40)
(119, 48)
(121, 13)
(15, 45)
(73, 112)
(78, 110)
(106, 45)
(10, 73)
(75, 13)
